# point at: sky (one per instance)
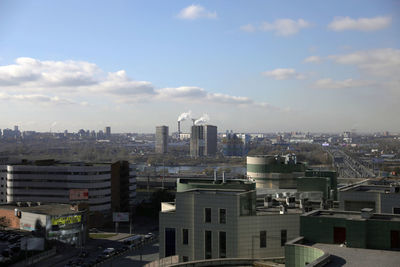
(249, 66)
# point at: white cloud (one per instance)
(248, 28)
(83, 83)
(312, 59)
(284, 74)
(360, 24)
(285, 27)
(378, 62)
(328, 83)
(193, 12)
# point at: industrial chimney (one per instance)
(179, 130)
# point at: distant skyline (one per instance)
(251, 66)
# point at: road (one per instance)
(136, 258)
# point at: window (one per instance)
(283, 237)
(207, 244)
(222, 244)
(396, 210)
(263, 239)
(185, 258)
(185, 236)
(222, 216)
(169, 242)
(207, 215)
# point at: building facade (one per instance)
(219, 219)
(161, 139)
(363, 229)
(203, 140)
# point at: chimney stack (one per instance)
(179, 130)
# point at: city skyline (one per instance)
(259, 67)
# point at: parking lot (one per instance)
(10, 246)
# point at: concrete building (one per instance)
(363, 229)
(161, 139)
(203, 141)
(123, 186)
(232, 145)
(380, 198)
(275, 172)
(219, 219)
(61, 222)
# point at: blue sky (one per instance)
(257, 66)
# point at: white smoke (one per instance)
(185, 116)
(203, 119)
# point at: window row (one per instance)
(263, 238)
(221, 217)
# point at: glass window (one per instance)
(222, 216)
(263, 239)
(207, 244)
(283, 237)
(185, 236)
(207, 215)
(185, 258)
(222, 244)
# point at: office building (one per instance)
(380, 198)
(219, 219)
(107, 132)
(232, 145)
(203, 141)
(104, 187)
(161, 139)
(274, 171)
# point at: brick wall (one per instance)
(8, 219)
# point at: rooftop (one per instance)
(352, 215)
(383, 189)
(349, 257)
(46, 209)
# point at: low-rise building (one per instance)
(355, 229)
(380, 198)
(219, 219)
(61, 222)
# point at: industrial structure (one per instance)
(161, 139)
(274, 171)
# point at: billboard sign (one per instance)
(66, 220)
(78, 194)
(121, 217)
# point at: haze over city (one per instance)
(258, 67)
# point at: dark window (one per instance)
(222, 244)
(283, 237)
(207, 244)
(185, 258)
(207, 215)
(169, 242)
(185, 236)
(222, 216)
(396, 210)
(263, 239)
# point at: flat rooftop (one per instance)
(352, 215)
(383, 189)
(46, 209)
(355, 257)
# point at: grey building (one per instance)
(161, 139)
(380, 198)
(203, 140)
(219, 219)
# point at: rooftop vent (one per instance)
(366, 213)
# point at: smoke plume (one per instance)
(203, 119)
(185, 116)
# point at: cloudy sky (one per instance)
(254, 66)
